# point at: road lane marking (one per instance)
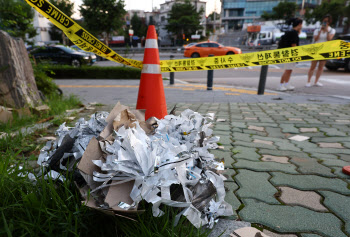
(184, 87)
(232, 94)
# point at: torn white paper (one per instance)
(299, 138)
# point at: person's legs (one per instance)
(311, 70)
(284, 81)
(319, 71)
(286, 76)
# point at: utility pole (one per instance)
(302, 5)
(302, 9)
(215, 18)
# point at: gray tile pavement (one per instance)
(253, 187)
(306, 194)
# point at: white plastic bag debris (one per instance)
(299, 138)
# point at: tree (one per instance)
(16, 18)
(103, 16)
(284, 10)
(211, 16)
(67, 7)
(335, 8)
(184, 19)
(138, 25)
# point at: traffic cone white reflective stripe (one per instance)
(151, 68)
(151, 43)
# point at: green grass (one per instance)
(150, 226)
(27, 145)
(50, 208)
(92, 72)
(58, 105)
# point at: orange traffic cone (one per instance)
(151, 91)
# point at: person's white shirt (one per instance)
(323, 35)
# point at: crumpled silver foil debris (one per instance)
(170, 166)
(71, 142)
(176, 155)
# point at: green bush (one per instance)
(94, 72)
(44, 81)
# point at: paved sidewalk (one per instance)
(286, 187)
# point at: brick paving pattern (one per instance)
(289, 188)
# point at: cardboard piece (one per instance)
(118, 108)
(115, 196)
(41, 109)
(125, 119)
(5, 115)
(45, 139)
(74, 110)
(119, 116)
(92, 152)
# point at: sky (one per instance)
(146, 5)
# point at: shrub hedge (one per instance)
(44, 80)
(92, 72)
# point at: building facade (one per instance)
(163, 16)
(235, 13)
(42, 26)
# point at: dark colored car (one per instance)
(62, 55)
(335, 64)
(93, 56)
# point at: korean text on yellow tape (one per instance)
(320, 51)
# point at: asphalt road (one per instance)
(335, 83)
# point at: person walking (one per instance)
(324, 34)
(289, 39)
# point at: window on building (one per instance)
(235, 12)
(250, 13)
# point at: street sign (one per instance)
(131, 32)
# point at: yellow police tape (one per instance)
(321, 51)
(77, 34)
(84, 40)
